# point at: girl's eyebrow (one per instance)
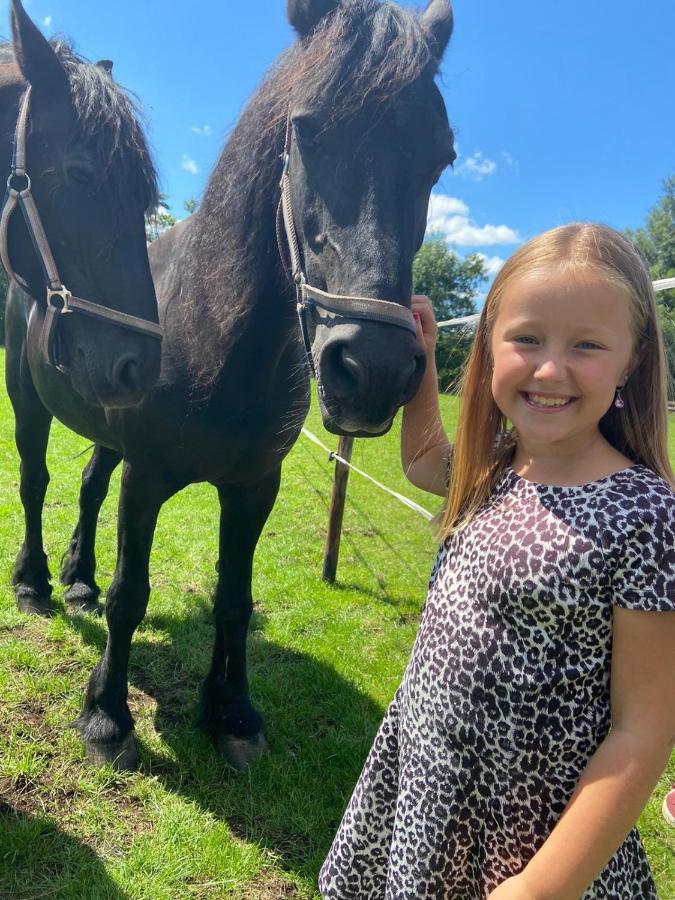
(576, 329)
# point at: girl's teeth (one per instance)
(547, 401)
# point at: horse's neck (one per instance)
(235, 281)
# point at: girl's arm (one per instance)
(424, 444)
(619, 778)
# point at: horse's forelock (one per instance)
(364, 52)
(109, 121)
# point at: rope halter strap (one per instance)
(308, 297)
(60, 301)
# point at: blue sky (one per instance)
(562, 110)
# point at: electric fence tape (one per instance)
(332, 455)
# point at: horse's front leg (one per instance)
(79, 567)
(30, 577)
(105, 723)
(230, 717)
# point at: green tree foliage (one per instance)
(656, 241)
(191, 205)
(159, 220)
(452, 284)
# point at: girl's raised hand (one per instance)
(425, 322)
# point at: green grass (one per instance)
(324, 662)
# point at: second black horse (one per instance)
(354, 117)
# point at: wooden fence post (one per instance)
(337, 508)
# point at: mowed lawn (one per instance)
(324, 663)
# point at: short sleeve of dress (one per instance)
(644, 578)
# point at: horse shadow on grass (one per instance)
(37, 859)
(318, 724)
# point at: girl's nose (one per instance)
(550, 368)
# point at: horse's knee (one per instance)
(125, 606)
(232, 610)
(34, 482)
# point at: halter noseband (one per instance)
(60, 301)
(309, 298)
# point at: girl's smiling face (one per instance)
(561, 345)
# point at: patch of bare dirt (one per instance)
(269, 886)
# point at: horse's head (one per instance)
(92, 180)
(369, 138)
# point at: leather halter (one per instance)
(60, 301)
(309, 299)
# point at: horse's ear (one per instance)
(39, 64)
(106, 65)
(305, 15)
(437, 22)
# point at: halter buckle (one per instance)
(62, 305)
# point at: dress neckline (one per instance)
(597, 482)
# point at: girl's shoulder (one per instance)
(644, 566)
(639, 490)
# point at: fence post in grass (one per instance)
(337, 508)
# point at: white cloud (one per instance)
(492, 264)
(189, 165)
(47, 21)
(449, 217)
(476, 167)
(204, 131)
(440, 206)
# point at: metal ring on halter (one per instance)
(64, 306)
(13, 190)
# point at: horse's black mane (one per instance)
(360, 55)
(108, 122)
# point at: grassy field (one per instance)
(324, 663)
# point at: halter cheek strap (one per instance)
(60, 301)
(310, 299)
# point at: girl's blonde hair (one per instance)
(639, 430)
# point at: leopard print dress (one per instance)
(506, 695)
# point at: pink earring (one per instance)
(618, 400)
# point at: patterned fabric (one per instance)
(506, 695)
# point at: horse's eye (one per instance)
(81, 176)
(306, 128)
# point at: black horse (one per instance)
(355, 106)
(92, 180)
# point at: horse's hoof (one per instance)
(122, 756)
(240, 752)
(82, 599)
(32, 604)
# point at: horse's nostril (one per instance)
(342, 371)
(126, 376)
(348, 372)
(351, 365)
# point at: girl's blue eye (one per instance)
(525, 339)
(588, 345)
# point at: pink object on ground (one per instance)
(669, 807)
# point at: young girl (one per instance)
(537, 710)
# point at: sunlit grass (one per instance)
(324, 662)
